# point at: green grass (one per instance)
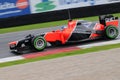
(77, 52)
(44, 25)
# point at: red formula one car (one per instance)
(76, 30)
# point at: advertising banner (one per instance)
(9, 8)
(38, 6)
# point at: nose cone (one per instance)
(13, 43)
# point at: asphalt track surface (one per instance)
(8, 37)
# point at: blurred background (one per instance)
(22, 12)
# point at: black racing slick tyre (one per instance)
(39, 43)
(111, 32)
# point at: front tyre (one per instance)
(39, 43)
(111, 32)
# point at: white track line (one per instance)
(8, 59)
(99, 44)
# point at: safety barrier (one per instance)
(60, 15)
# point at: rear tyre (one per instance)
(111, 32)
(39, 43)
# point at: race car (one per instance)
(75, 31)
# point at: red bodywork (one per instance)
(59, 35)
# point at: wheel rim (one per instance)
(112, 32)
(39, 44)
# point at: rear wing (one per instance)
(108, 20)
